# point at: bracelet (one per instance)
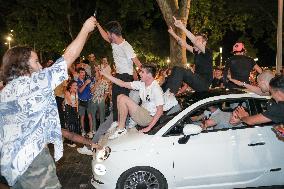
(244, 84)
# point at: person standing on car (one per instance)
(124, 57)
(239, 66)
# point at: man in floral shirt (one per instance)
(29, 116)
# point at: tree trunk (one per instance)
(177, 53)
(179, 9)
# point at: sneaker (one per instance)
(118, 133)
(113, 126)
(71, 145)
(131, 123)
(90, 134)
(85, 151)
(83, 133)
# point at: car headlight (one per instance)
(103, 154)
(100, 169)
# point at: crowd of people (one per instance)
(40, 105)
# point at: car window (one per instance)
(222, 117)
(262, 104)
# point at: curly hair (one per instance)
(15, 63)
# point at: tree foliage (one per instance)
(49, 26)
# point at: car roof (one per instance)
(190, 98)
(196, 96)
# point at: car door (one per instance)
(275, 171)
(220, 158)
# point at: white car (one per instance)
(178, 154)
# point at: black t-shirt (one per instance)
(204, 64)
(217, 82)
(240, 67)
(275, 112)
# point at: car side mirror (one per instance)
(189, 130)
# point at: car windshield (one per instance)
(184, 102)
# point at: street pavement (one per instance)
(74, 170)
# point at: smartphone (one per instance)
(279, 130)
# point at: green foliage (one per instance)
(262, 21)
(214, 18)
(39, 24)
(45, 24)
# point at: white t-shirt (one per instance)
(151, 96)
(170, 100)
(122, 55)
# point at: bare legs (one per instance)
(125, 106)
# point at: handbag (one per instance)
(83, 103)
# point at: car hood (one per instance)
(133, 140)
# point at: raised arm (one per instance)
(257, 68)
(116, 81)
(102, 31)
(137, 62)
(75, 48)
(190, 35)
(179, 40)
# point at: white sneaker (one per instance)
(113, 127)
(72, 145)
(118, 133)
(90, 134)
(131, 123)
(83, 133)
(85, 151)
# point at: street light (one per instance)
(9, 39)
(168, 60)
(221, 50)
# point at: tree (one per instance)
(39, 24)
(179, 9)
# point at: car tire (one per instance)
(142, 177)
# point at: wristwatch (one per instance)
(244, 84)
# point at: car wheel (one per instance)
(142, 178)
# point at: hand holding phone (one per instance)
(279, 130)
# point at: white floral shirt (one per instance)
(29, 119)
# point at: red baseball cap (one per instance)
(239, 47)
